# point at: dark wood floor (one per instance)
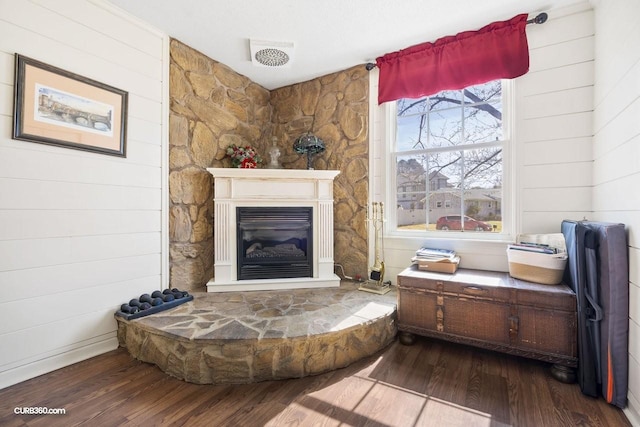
(431, 383)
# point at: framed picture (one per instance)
(57, 107)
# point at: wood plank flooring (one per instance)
(431, 383)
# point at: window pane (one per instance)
(411, 182)
(483, 113)
(483, 168)
(445, 128)
(445, 194)
(410, 193)
(411, 133)
(483, 190)
(482, 123)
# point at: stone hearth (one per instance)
(243, 337)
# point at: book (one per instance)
(435, 254)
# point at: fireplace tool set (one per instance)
(376, 283)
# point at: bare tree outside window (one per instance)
(448, 151)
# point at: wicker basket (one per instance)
(547, 269)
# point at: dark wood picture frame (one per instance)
(56, 107)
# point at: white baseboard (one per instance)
(632, 411)
(43, 366)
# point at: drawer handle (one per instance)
(474, 290)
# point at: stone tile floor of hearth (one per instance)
(271, 314)
(242, 337)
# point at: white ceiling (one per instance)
(328, 35)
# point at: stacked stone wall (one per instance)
(212, 106)
(336, 109)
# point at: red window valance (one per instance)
(496, 51)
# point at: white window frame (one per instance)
(388, 114)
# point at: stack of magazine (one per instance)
(434, 259)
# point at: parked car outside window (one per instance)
(454, 222)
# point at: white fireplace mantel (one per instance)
(236, 187)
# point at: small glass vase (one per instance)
(274, 155)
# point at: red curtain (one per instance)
(496, 51)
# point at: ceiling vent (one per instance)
(271, 54)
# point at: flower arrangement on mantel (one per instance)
(243, 157)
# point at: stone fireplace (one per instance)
(273, 229)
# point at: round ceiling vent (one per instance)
(272, 57)
(270, 54)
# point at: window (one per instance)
(450, 147)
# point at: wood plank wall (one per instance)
(616, 150)
(553, 126)
(79, 232)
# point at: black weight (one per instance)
(145, 298)
(145, 306)
(168, 298)
(156, 301)
(125, 308)
(166, 291)
(134, 303)
(156, 294)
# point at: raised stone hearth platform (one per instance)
(243, 337)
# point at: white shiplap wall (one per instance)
(552, 137)
(616, 150)
(80, 232)
(553, 125)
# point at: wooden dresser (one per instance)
(491, 310)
